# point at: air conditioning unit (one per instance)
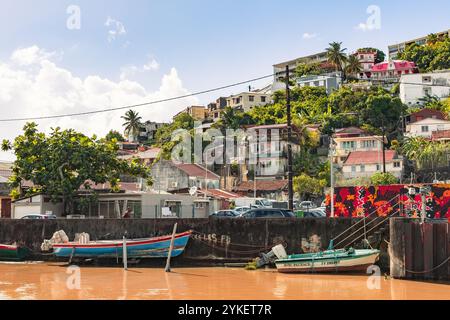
(175, 184)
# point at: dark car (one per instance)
(225, 214)
(268, 213)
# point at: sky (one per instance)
(60, 56)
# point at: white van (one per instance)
(255, 202)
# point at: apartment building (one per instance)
(353, 139)
(395, 49)
(216, 108)
(414, 87)
(280, 68)
(246, 101)
(199, 113)
(330, 82)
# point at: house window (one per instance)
(440, 127)
(396, 164)
(378, 167)
(353, 168)
(263, 99)
(251, 98)
(363, 168)
(348, 145)
(368, 144)
(424, 128)
(426, 79)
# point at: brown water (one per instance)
(49, 281)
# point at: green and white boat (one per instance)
(13, 252)
(340, 260)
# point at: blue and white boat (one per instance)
(157, 247)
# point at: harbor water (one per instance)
(50, 281)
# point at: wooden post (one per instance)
(124, 256)
(171, 247)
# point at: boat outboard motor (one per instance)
(277, 252)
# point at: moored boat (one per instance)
(13, 252)
(157, 247)
(342, 260)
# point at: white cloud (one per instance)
(308, 36)
(131, 70)
(118, 29)
(364, 27)
(48, 89)
(30, 55)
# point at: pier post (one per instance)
(124, 256)
(171, 247)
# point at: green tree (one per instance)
(132, 124)
(60, 163)
(336, 55)
(113, 134)
(307, 186)
(426, 153)
(382, 179)
(353, 66)
(305, 69)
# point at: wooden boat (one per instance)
(157, 247)
(13, 252)
(342, 260)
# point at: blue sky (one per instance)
(207, 43)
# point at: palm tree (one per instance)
(336, 55)
(353, 66)
(132, 123)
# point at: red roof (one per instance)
(369, 157)
(440, 135)
(398, 65)
(195, 170)
(261, 185)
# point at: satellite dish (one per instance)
(193, 191)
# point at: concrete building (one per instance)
(216, 108)
(354, 139)
(366, 163)
(115, 205)
(246, 101)
(171, 177)
(280, 68)
(395, 49)
(148, 130)
(414, 87)
(330, 81)
(424, 114)
(146, 156)
(199, 113)
(426, 127)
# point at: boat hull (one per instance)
(13, 253)
(142, 248)
(350, 263)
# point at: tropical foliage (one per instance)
(60, 163)
(132, 124)
(382, 179)
(435, 55)
(426, 153)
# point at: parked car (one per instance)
(241, 210)
(225, 214)
(267, 213)
(39, 216)
(307, 205)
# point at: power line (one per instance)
(185, 96)
(135, 105)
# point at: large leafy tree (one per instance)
(113, 134)
(435, 55)
(132, 124)
(60, 163)
(426, 153)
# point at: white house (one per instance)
(367, 163)
(425, 127)
(416, 86)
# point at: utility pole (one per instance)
(384, 146)
(332, 177)
(289, 138)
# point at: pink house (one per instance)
(367, 61)
(393, 69)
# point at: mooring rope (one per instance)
(430, 270)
